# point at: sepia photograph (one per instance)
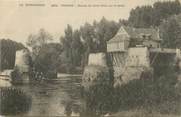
(90, 58)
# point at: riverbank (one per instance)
(5, 83)
(140, 113)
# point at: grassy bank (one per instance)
(138, 98)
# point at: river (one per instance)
(63, 97)
(58, 97)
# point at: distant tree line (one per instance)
(90, 38)
(162, 15)
(7, 53)
(146, 16)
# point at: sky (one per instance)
(17, 21)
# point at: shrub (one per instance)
(97, 90)
(16, 77)
(148, 94)
(13, 101)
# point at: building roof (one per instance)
(135, 33)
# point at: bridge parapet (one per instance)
(178, 54)
(163, 50)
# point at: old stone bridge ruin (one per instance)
(135, 52)
(17, 67)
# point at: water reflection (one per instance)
(66, 97)
(58, 97)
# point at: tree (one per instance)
(104, 31)
(36, 41)
(45, 55)
(48, 59)
(147, 16)
(67, 45)
(72, 49)
(87, 35)
(141, 16)
(163, 10)
(8, 50)
(78, 44)
(170, 31)
(77, 48)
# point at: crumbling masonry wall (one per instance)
(136, 64)
(140, 61)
